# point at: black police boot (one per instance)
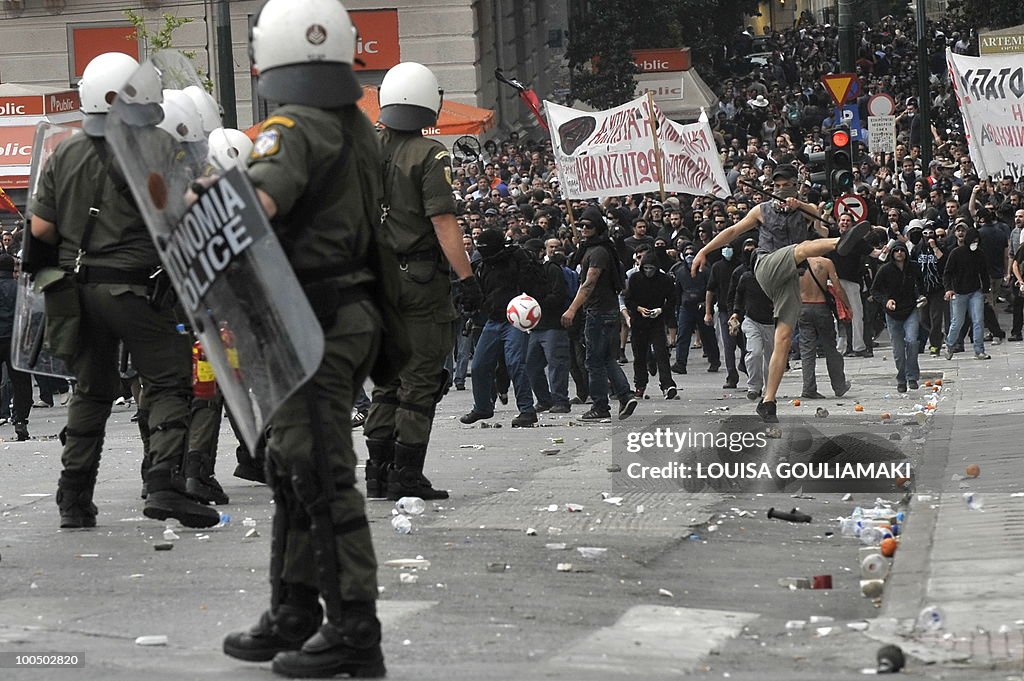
(167, 499)
(350, 647)
(378, 466)
(199, 481)
(406, 479)
(248, 468)
(21, 430)
(285, 628)
(74, 499)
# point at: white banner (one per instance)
(611, 153)
(990, 92)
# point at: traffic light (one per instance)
(840, 161)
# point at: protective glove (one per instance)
(471, 297)
(655, 313)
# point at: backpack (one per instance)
(572, 282)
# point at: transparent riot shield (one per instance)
(226, 265)
(27, 351)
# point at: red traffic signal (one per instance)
(840, 138)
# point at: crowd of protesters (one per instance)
(942, 262)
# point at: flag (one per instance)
(6, 205)
(526, 94)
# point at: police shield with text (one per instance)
(227, 267)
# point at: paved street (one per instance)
(687, 586)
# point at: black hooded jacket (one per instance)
(966, 271)
(651, 292)
(505, 275)
(901, 285)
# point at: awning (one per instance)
(455, 118)
(22, 107)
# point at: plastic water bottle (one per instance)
(410, 506)
(931, 619)
(225, 518)
(884, 255)
(401, 524)
(872, 536)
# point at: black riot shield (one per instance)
(228, 268)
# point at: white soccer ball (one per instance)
(523, 312)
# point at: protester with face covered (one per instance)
(717, 293)
(548, 345)
(966, 282)
(691, 290)
(650, 297)
(930, 260)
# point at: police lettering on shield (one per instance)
(209, 236)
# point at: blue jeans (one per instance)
(959, 307)
(549, 347)
(485, 361)
(904, 335)
(602, 335)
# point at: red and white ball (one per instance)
(523, 312)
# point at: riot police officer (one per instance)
(99, 296)
(420, 226)
(316, 165)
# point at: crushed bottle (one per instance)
(401, 524)
(410, 506)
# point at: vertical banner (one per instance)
(612, 153)
(990, 92)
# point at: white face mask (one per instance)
(974, 246)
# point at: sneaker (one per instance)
(65, 397)
(639, 393)
(934, 351)
(768, 411)
(1014, 338)
(503, 397)
(678, 368)
(560, 409)
(997, 340)
(542, 407)
(358, 419)
(671, 392)
(713, 369)
(119, 402)
(987, 337)
(39, 404)
(855, 235)
(731, 385)
(753, 395)
(460, 386)
(626, 407)
(901, 387)
(525, 419)
(474, 416)
(949, 353)
(845, 389)
(982, 355)
(812, 396)
(913, 385)
(595, 414)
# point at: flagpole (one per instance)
(657, 147)
(572, 221)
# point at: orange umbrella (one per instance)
(455, 118)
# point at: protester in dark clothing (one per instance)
(548, 345)
(691, 292)
(966, 281)
(718, 292)
(757, 312)
(21, 383)
(650, 297)
(896, 287)
(931, 261)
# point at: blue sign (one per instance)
(849, 115)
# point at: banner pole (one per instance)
(572, 220)
(657, 147)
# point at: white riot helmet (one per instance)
(410, 98)
(181, 118)
(303, 53)
(206, 105)
(102, 79)
(229, 148)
